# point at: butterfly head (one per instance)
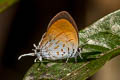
(37, 52)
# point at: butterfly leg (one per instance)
(35, 60)
(79, 52)
(75, 59)
(40, 59)
(67, 59)
(35, 46)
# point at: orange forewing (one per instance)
(62, 27)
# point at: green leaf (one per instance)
(4, 4)
(100, 42)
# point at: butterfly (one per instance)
(60, 41)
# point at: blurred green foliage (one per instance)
(4, 4)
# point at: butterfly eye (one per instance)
(37, 50)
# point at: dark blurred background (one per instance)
(23, 24)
